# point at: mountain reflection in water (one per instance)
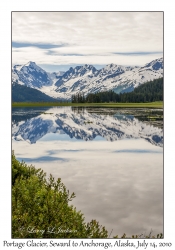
(111, 158)
(83, 123)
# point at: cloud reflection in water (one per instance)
(119, 183)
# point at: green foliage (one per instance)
(21, 93)
(40, 207)
(148, 92)
(21, 170)
(78, 98)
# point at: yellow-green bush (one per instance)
(40, 208)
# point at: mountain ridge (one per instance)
(86, 78)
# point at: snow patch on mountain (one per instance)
(87, 79)
(33, 76)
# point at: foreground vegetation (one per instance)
(158, 104)
(40, 208)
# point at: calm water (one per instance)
(111, 158)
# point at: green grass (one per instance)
(109, 105)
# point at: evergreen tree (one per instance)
(147, 92)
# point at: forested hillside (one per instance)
(147, 92)
(21, 93)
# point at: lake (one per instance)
(111, 158)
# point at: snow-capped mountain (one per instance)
(31, 75)
(55, 76)
(86, 126)
(87, 78)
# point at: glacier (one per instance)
(86, 79)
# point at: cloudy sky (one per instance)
(58, 40)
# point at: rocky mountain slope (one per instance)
(87, 78)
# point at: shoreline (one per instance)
(107, 105)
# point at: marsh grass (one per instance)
(107, 105)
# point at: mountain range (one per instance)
(86, 79)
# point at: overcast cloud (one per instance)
(97, 38)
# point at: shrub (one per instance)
(40, 207)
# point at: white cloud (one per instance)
(41, 56)
(95, 35)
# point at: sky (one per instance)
(60, 40)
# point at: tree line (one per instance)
(148, 92)
(21, 93)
